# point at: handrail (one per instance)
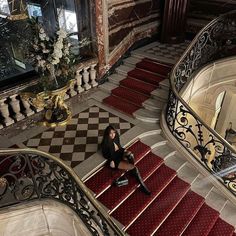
(213, 42)
(28, 174)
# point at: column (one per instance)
(93, 76)
(15, 104)
(174, 21)
(5, 112)
(87, 86)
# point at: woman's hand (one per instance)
(127, 152)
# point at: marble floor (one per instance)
(77, 143)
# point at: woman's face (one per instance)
(112, 134)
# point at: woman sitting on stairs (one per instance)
(119, 157)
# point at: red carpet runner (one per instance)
(138, 85)
(172, 209)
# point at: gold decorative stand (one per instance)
(52, 101)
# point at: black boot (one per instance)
(137, 175)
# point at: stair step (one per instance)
(158, 62)
(114, 196)
(133, 206)
(138, 86)
(228, 213)
(99, 182)
(154, 140)
(215, 200)
(181, 216)
(147, 115)
(221, 228)
(102, 180)
(188, 173)
(155, 67)
(201, 186)
(145, 76)
(175, 163)
(153, 104)
(155, 214)
(130, 96)
(139, 150)
(107, 87)
(116, 78)
(165, 84)
(203, 222)
(164, 151)
(131, 60)
(124, 69)
(121, 104)
(161, 94)
(100, 95)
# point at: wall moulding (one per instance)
(130, 39)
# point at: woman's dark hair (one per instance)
(106, 136)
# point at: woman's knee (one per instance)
(112, 164)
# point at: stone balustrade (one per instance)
(14, 108)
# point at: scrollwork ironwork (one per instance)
(30, 176)
(213, 42)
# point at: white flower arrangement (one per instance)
(50, 56)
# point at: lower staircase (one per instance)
(180, 202)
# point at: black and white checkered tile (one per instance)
(172, 52)
(80, 138)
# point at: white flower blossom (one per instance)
(41, 63)
(42, 36)
(55, 61)
(46, 51)
(41, 30)
(35, 47)
(61, 33)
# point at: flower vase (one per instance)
(52, 74)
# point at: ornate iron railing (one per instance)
(216, 40)
(28, 174)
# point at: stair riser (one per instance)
(168, 214)
(146, 119)
(126, 227)
(151, 108)
(136, 186)
(159, 98)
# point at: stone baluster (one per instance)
(93, 74)
(72, 88)
(5, 112)
(28, 110)
(15, 104)
(78, 78)
(87, 86)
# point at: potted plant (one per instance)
(52, 58)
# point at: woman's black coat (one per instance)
(108, 149)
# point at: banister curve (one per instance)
(211, 43)
(38, 166)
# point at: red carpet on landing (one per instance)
(172, 209)
(136, 88)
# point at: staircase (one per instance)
(181, 201)
(139, 88)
